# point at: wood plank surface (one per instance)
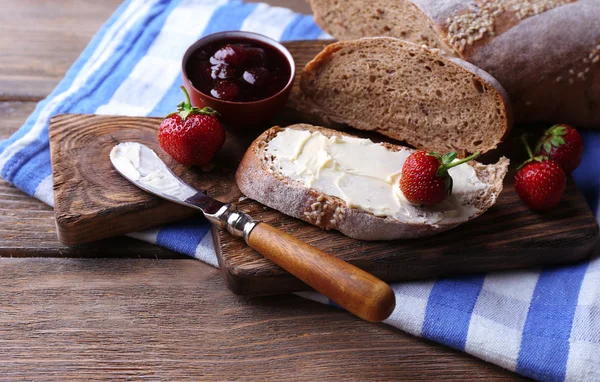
(41, 39)
(84, 319)
(48, 305)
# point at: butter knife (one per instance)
(350, 287)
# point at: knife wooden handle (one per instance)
(350, 287)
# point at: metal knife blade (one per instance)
(141, 166)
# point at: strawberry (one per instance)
(540, 181)
(425, 179)
(562, 144)
(191, 135)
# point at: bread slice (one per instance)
(260, 178)
(409, 93)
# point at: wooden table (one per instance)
(123, 308)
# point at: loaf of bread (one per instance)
(546, 53)
(407, 92)
(352, 190)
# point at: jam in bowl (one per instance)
(245, 76)
(242, 70)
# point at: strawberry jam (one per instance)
(238, 70)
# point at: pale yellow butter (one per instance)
(365, 175)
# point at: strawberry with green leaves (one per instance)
(425, 179)
(191, 135)
(540, 181)
(563, 144)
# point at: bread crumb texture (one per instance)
(351, 19)
(466, 28)
(408, 93)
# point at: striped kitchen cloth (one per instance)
(542, 323)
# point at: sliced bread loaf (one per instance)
(409, 93)
(336, 181)
(546, 53)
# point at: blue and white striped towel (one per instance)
(542, 323)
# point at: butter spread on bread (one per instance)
(337, 181)
(365, 175)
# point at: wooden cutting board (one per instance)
(92, 201)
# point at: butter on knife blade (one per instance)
(140, 164)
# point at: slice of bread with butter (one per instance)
(338, 181)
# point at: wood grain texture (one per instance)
(92, 201)
(86, 209)
(350, 287)
(13, 115)
(41, 39)
(87, 319)
(28, 229)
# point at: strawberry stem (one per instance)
(539, 158)
(454, 164)
(447, 162)
(524, 140)
(185, 108)
(187, 104)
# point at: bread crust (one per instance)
(259, 182)
(542, 52)
(330, 118)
